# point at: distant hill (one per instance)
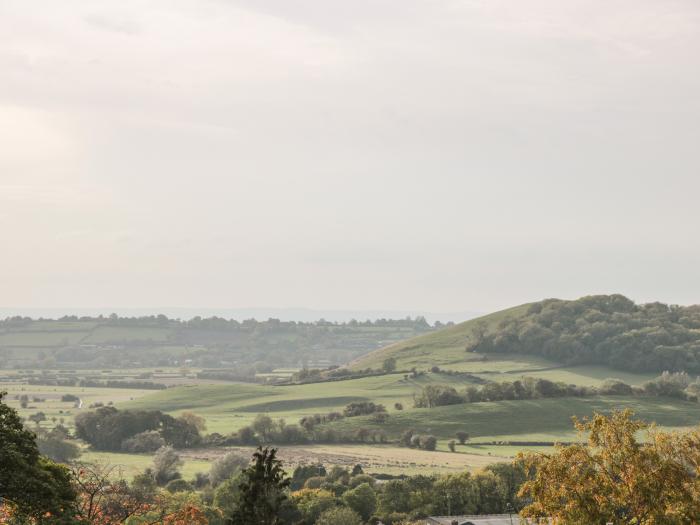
(245, 347)
(609, 330)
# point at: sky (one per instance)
(383, 155)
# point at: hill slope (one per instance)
(607, 330)
(440, 348)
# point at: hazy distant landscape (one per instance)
(387, 262)
(510, 379)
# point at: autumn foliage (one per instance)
(615, 477)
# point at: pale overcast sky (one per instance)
(413, 155)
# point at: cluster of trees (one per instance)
(57, 444)
(341, 496)
(668, 384)
(137, 430)
(362, 408)
(265, 430)
(435, 395)
(604, 329)
(424, 441)
(335, 373)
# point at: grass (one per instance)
(229, 407)
(53, 407)
(132, 464)
(530, 420)
(588, 375)
(442, 348)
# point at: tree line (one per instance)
(669, 384)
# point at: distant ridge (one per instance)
(261, 314)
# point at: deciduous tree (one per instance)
(615, 477)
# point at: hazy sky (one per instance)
(432, 155)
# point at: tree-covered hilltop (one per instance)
(602, 329)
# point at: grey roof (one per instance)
(483, 519)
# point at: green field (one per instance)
(527, 420)
(129, 465)
(228, 407)
(53, 407)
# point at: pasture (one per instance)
(229, 406)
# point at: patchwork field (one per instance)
(228, 407)
(52, 405)
(498, 430)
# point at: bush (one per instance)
(438, 395)
(362, 500)
(380, 417)
(363, 408)
(389, 364)
(360, 479)
(314, 482)
(428, 442)
(312, 503)
(304, 472)
(166, 464)
(462, 437)
(225, 467)
(179, 485)
(53, 446)
(69, 398)
(148, 441)
(406, 437)
(615, 387)
(451, 445)
(339, 516)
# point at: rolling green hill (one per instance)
(605, 330)
(442, 348)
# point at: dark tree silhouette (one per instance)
(262, 490)
(38, 489)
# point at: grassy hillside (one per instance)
(442, 348)
(604, 330)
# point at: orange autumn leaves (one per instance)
(615, 477)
